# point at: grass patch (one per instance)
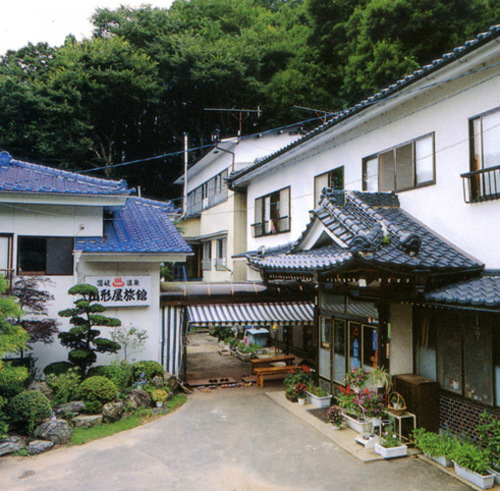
(141, 416)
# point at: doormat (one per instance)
(321, 414)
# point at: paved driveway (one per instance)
(230, 439)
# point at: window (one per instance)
(209, 194)
(221, 254)
(206, 256)
(339, 351)
(45, 255)
(326, 331)
(406, 166)
(333, 179)
(272, 213)
(485, 154)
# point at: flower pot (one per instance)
(391, 453)
(243, 356)
(302, 401)
(496, 474)
(336, 427)
(159, 403)
(483, 482)
(443, 460)
(291, 398)
(320, 402)
(359, 425)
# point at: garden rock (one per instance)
(11, 444)
(87, 420)
(73, 407)
(57, 431)
(171, 382)
(38, 446)
(112, 411)
(44, 388)
(138, 398)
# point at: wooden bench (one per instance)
(259, 362)
(262, 372)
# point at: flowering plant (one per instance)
(346, 399)
(159, 395)
(303, 375)
(335, 415)
(318, 391)
(300, 390)
(390, 440)
(370, 404)
(357, 377)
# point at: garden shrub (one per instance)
(92, 407)
(58, 367)
(29, 408)
(120, 373)
(98, 370)
(147, 369)
(65, 386)
(3, 418)
(98, 388)
(13, 380)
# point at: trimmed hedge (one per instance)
(29, 408)
(58, 367)
(98, 388)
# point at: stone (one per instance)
(38, 446)
(87, 420)
(43, 387)
(171, 382)
(138, 397)
(11, 444)
(158, 381)
(57, 431)
(70, 408)
(112, 411)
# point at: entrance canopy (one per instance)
(250, 313)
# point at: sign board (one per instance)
(122, 291)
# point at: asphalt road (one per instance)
(229, 439)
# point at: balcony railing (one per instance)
(271, 227)
(481, 185)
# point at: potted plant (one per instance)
(371, 405)
(290, 394)
(437, 447)
(300, 391)
(489, 439)
(303, 375)
(471, 463)
(335, 417)
(356, 378)
(353, 416)
(390, 446)
(380, 378)
(159, 396)
(396, 403)
(319, 397)
(245, 351)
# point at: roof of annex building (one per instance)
(384, 94)
(366, 229)
(141, 226)
(24, 177)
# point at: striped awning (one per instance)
(251, 313)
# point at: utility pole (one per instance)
(238, 115)
(186, 153)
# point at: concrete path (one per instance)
(229, 439)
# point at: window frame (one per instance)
(206, 259)
(394, 150)
(49, 255)
(221, 260)
(211, 193)
(261, 232)
(329, 174)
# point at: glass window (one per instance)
(272, 213)
(339, 350)
(426, 345)
(5, 247)
(355, 344)
(370, 347)
(206, 258)
(45, 255)
(449, 362)
(326, 331)
(404, 167)
(221, 254)
(371, 174)
(333, 179)
(424, 160)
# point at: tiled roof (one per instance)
(141, 226)
(371, 229)
(479, 292)
(338, 117)
(17, 176)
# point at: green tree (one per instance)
(83, 339)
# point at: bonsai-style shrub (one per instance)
(29, 408)
(98, 389)
(58, 367)
(92, 407)
(12, 380)
(83, 339)
(65, 386)
(147, 370)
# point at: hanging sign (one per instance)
(122, 291)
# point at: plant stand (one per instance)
(366, 442)
(320, 402)
(391, 453)
(483, 482)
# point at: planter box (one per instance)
(444, 461)
(319, 402)
(361, 426)
(496, 474)
(243, 356)
(391, 453)
(483, 482)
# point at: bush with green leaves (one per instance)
(147, 369)
(58, 367)
(4, 426)
(92, 407)
(98, 388)
(13, 380)
(65, 386)
(84, 339)
(29, 408)
(470, 457)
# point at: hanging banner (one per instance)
(122, 291)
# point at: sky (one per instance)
(34, 21)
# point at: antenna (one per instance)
(238, 114)
(318, 112)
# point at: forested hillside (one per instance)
(147, 75)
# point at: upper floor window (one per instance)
(333, 179)
(45, 255)
(483, 182)
(206, 256)
(210, 193)
(403, 167)
(221, 259)
(272, 213)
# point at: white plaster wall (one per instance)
(444, 110)
(401, 342)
